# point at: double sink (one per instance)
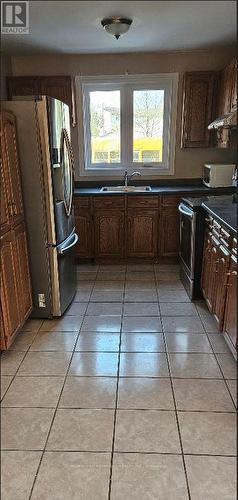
(125, 189)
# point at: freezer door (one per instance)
(67, 271)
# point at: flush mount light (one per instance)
(116, 26)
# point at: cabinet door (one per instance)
(230, 321)
(83, 227)
(109, 233)
(9, 287)
(228, 91)
(23, 273)
(198, 108)
(22, 85)
(219, 287)
(142, 230)
(234, 87)
(59, 87)
(210, 258)
(11, 169)
(4, 203)
(206, 266)
(169, 232)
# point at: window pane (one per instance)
(105, 127)
(148, 117)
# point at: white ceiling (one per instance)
(74, 27)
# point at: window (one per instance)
(128, 122)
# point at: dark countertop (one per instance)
(223, 210)
(176, 189)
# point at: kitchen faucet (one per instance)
(127, 177)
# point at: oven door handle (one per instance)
(185, 211)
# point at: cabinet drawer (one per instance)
(81, 202)
(108, 202)
(170, 201)
(143, 201)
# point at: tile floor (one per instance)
(131, 395)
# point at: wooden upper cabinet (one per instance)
(199, 102)
(10, 171)
(22, 86)
(228, 89)
(59, 87)
(234, 87)
(230, 321)
(142, 233)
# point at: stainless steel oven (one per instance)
(191, 244)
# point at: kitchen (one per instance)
(119, 252)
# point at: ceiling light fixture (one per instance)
(116, 26)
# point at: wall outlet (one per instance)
(41, 300)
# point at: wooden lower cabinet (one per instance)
(142, 233)
(16, 301)
(230, 319)
(109, 234)
(10, 304)
(206, 281)
(83, 228)
(169, 232)
(219, 279)
(133, 227)
(220, 269)
(145, 227)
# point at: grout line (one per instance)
(123, 301)
(26, 352)
(125, 453)
(175, 407)
(117, 389)
(215, 355)
(55, 411)
(113, 408)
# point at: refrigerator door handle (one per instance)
(62, 249)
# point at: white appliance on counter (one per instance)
(218, 174)
(43, 126)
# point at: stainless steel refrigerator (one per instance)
(43, 126)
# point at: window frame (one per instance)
(127, 84)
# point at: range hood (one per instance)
(225, 121)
